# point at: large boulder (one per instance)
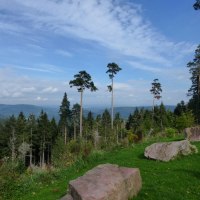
(106, 182)
(193, 133)
(167, 151)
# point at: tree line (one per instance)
(40, 140)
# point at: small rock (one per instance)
(67, 197)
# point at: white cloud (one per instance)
(11, 28)
(64, 53)
(45, 68)
(17, 88)
(41, 99)
(49, 90)
(28, 89)
(121, 86)
(138, 65)
(117, 25)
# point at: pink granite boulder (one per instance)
(193, 133)
(166, 151)
(106, 182)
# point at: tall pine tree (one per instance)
(65, 116)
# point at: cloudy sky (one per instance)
(44, 43)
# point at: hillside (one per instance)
(177, 179)
(8, 110)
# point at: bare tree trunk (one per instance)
(65, 133)
(41, 153)
(33, 158)
(105, 134)
(43, 148)
(198, 98)
(81, 114)
(161, 120)
(112, 109)
(117, 135)
(31, 151)
(153, 112)
(13, 139)
(48, 155)
(74, 130)
(161, 123)
(121, 130)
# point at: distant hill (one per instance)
(8, 110)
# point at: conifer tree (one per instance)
(65, 116)
(113, 69)
(82, 81)
(106, 122)
(156, 91)
(21, 129)
(197, 5)
(44, 135)
(31, 125)
(75, 118)
(118, 125)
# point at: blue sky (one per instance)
(44, 43)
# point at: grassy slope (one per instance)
(177, 180)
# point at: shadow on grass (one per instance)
(141, 156)
(177, 139)
(195, 174)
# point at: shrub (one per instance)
(184, 120)
(86, 149)
(170, 132)
(125, 142)
(96, 155)
(75, 147)
(9, 177)
(61, 155)
(132, 137)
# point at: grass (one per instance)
(178, 179)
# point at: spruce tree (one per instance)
(65, 116)
(31, 128)
(106, 124)
(44, 135)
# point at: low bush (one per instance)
(170, 132)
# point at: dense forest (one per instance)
(40, 141)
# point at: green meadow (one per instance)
(175, 180)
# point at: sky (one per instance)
(43, 44)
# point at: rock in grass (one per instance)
(193, 133)
(167, 151)
(67, 197)
(106, 182)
